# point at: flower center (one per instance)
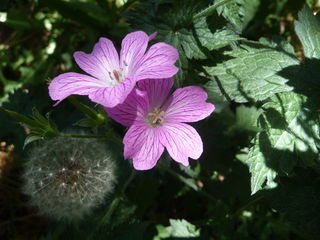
(155, 118)
(116, 76)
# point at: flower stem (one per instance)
(83, 108)
(253, 199)
(114, 204)
(187, 181)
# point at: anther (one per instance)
(116, 75)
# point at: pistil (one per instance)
(155, 118)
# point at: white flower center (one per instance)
(118, 76)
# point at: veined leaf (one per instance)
(178, 229)
(308, 31)
(239, 12)
(290, 137)
(251, 73)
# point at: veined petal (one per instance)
(158, 62)
(141, 143)
(133, 48)
(156, 89)
(187, 105)
(133, 109)
(182, 141)
(70, 83)
(112, 96)
(101, 62)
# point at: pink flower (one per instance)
(157, 122)
(112, 79)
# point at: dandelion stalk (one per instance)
(114, 204)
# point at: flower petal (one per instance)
(70, 83)
(157, 90)
(187, 105)
(101, 62)
(182, 141)
(133, 109)
(158, 62)
(112, 96)
(141, 143)
(133, 48)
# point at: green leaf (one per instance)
(204, 36)
(31, 138)
(93, 118)
(290, 136)
(239, 12)
(193, 37)
(209, 10)
(191, 172)
(246, 118)
(40, 126)
(182, 228)
(251, 73)
(179, 229)
(212, 36)
(308, 31)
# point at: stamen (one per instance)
(116, 75)
(110, 75)
(125, 63)
(155, 118)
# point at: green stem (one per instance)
(188, 183)
(114, 204)
(209, 10)
(253, 199)
(19, 117)
(83, 108)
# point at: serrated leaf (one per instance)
(182, 228)
(193, 37)
(214, 37)
(291, 135)
(178, 229)
(308, 31)
(239, 12)
(251, 73)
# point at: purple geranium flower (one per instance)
(112, 79)
(157, 121)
